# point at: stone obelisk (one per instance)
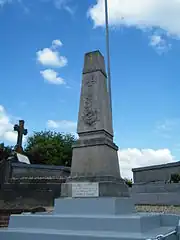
(95, 156)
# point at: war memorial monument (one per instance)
(95, 202)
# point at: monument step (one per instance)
(97, 206)
(51, 234)
(119, 223)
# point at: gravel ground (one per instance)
(162, 209)
(148, 208)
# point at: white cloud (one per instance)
(56, 43)
(133, 158)
(1, 108)
(168, 127)
(52, 77)
(63, 125)
(63, 4)
(151, 15)
(160, 44)
(168, 124)
(3, 2)
(162, 14)
(60, 3)
(10, 136)
(51, 57)
(20, 2)
(48, 57)
(6, 127)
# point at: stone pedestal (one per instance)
(91, 219)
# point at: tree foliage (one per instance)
(5, 151)
(48, 147)
(128, 182)
(175, 178)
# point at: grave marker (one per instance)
(21, 131)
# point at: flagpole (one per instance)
(108, 53)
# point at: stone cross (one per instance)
(21, 131)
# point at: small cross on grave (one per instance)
(21, 131)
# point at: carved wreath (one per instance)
(90, 115)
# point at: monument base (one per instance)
(95, 206)
(96, 160)
(92, 219)
(105, 189)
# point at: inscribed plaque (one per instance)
(85, 189)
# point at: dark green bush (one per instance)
(128, 182)
(175, 177)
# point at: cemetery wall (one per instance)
(20, 170)
(157, 187)
(30, 185)
(158, 193)
(166, 198)
(155, 173)
(27, 195)
(11, 172)
(5, 171)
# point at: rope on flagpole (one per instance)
(108, 53)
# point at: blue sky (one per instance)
(40, 77)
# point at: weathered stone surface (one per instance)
(19, 170)
(97, 160)
(106, 189)
(93, 62)
(157, 193)
(95, 154)
(21, 131)
(155, 173)
(14, 170)
(30, 185)
(94, 111)
(152, 185)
